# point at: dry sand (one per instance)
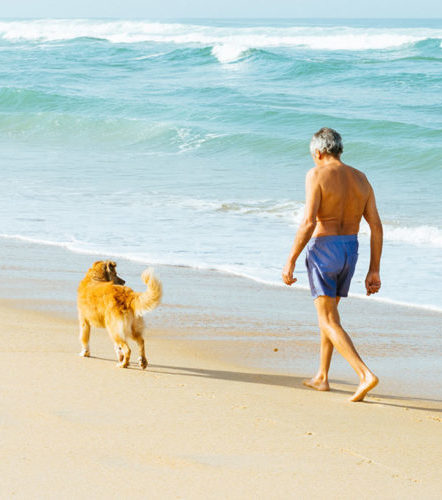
(193, 427)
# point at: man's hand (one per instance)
(372, 282)
(287, 274)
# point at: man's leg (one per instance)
(330, 325)
(320, 380)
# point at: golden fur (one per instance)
(104, 302)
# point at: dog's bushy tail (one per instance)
(151, 298)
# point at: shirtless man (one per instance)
(337, 197)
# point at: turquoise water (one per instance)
(186, 143)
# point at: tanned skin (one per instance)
(337, 197)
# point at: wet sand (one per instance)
(242, 322)
(218, 413)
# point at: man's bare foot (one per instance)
(365, 386)
(316, 383)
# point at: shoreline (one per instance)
(244, 327)
(222, 269)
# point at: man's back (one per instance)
(344, 195)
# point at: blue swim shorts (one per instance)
(331, 262)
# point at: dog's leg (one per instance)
(85, 330)
(142, 361)
(126, 354)
(119, 352)
(122, 350)
(138, 328)
(117, 329)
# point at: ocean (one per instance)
(186, 142)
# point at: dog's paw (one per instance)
(85, 353)
(123, 364)
(142, 362)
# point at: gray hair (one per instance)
(326, 141)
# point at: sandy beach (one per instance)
(178, 137)
(204, 420)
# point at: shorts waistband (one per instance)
(342, 238)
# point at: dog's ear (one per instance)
(110, 270)
(112, 273)
(99, 271)
(111, 265)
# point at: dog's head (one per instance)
(105, 270)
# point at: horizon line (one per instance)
(286, 18)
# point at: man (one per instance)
(337, 197)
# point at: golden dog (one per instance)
(104, 302)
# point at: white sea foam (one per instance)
(285, 210)
(226, 53)
(293, 211)
(401, 303)
(420, 235)
(189, 140)
(413, 235)
(228, 43)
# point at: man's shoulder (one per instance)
(314, 178)
(313, 174)
(316, 174)
(357, 173)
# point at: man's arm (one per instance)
(371, 215)
(307, 226)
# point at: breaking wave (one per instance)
(228, 44)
